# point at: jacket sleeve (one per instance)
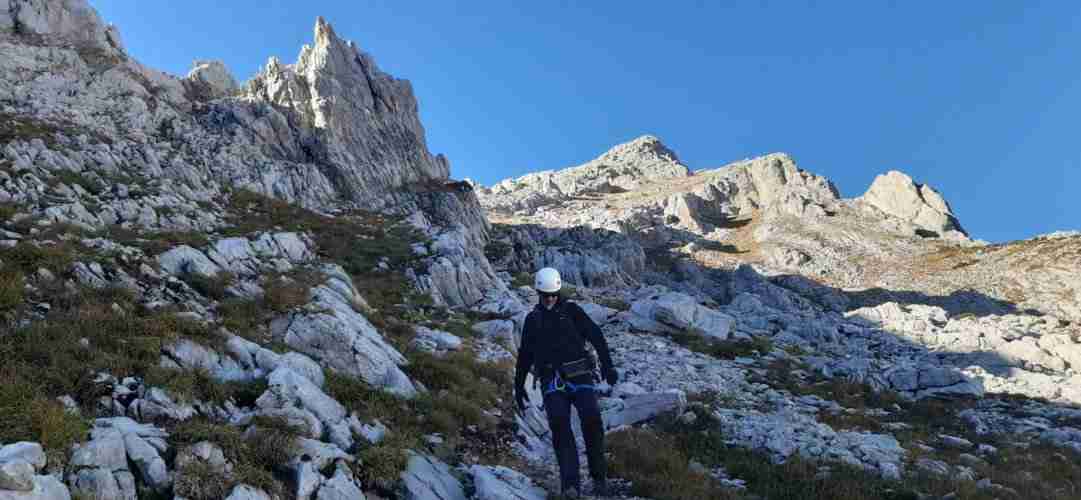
(525, 355)
(593, 334)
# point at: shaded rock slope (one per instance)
(273, 289)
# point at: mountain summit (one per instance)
(622, 168)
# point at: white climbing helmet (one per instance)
(548, 281)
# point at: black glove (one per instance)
(611, 376)
(521, 397)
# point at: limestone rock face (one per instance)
(683, 313)
(621, 168)
(44, 488)
(498, 483)
(342, 338)
(211, 80)
(350, 114)
(426, 477)
(897, 195)
(73, 21)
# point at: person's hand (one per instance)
(611, 376)
(521, 397)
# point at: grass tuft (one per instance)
(12, 291)
(256, 455)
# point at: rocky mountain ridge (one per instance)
(271, 289)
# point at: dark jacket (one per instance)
(556, 336)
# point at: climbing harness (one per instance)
(558, 384)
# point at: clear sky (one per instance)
(978, 99)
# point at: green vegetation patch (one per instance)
(358, 241)
(722, 349)
(12, 292)
(14, 127)
(282, 293)
(188, 386)
(30, 415)
(86, 332)
(257, 455)
(460, 389)
(154, 243)
(212, 287)
(71, 179)
(29, 256)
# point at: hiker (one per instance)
(553, 347)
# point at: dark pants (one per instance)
(558, 407)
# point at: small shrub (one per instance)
(272, 443)
(383, 463)
(29, 256)
(154, 243)
(212, 287)
(30, 416)
(7, 211)
(496, 250)
(282, 295)
(657, 469)
(724, 349)
(255, 456)
(617, 304)
(76, 179)
(12, 291)
(369, 403)
(243, 317)
(198, 480)
(522, 279)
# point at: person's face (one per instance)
(549, 299)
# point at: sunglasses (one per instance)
(547, 295)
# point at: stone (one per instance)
(499, 330)
(936, 467)
(341, 486)
(106, 451)
(44, 488)
(425, 477)
(308, 480)
(99, 484)
(954, 442)
(640, 407)
(211, 79)
(152, 468)
(16, 475)
(344, 340)
(897, 195)
(436, 341)
(684, 313)
(287, 389)
(185, 259)
(245, 492)
(320, 454)
(31, 453)
(206, 452)
(498, 483)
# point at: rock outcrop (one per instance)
(622, 168)
(897, 195)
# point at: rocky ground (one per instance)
(274, 290)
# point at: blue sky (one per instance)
(978, 99)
